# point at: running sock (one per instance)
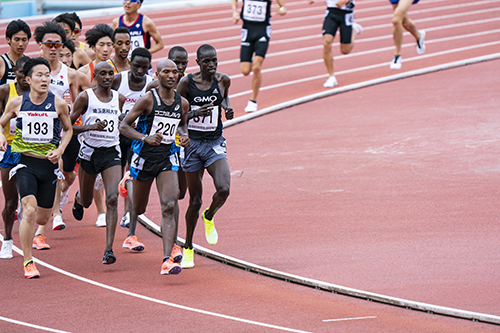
(26, 263)
(166, 258)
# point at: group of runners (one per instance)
(96, 105)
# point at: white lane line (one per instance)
(155, 300)
(22, 323)
(347, 319)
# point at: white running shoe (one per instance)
(6, 251)
(396, 62)
(98, 182)
(64, 198)
(57, 223)
(358, 28)
(101, 220)
(125, 220)
(331, 82)
(251, 107)
(421, 42)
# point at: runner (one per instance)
(206, 91)
(8, 159)
(99, 108)
(339, 16)
(121, 40)
(400, 21)
(17, 34)
(40, 115)
(76, 36)
(161, 112)
(255, 36)
(80, 57)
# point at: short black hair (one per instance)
(76, 19)
(65, 18)
(99, 31)
(49, 27)
(140, 52)
(203, 48)
(15, 26)
(176, 49)
(21, 61)
(32, 62)
(70, 45)
(120, 30)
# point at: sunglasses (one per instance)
(133, 1)
(50, 44)
(77, 31)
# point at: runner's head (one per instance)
(18, 34)
(122, 42)
(207, 59)
(66, 54)
(179, 55)
(37, 74)
(67, 22)
(167, 73)
(104, 74)
(50, 36)
(140, 62)
(19, 71)
(78, 27)
(131, 6)
(100, 39)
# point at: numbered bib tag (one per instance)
(110, 132)
(204, 124)
(254, 11)
(166, 127)
(12, 126)
(349, 19)
(136, 41)
(137, 162)
(38, 127)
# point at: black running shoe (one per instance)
(109, 258)
(77, 208)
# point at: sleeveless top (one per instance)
(8, 76)
(349, 5)
(164, 119)
(131, 96)
(256, 11)
(205, 128)
(59, 83)
(10, 129)
(138, 37)
(98, 111)
(37, 128)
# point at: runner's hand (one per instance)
(236, 17)
(54, 155)
(229, 113)
(184, 141)
(3, 142)
(99, 126)
(203, 111)
(154, 140)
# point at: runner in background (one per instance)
(17, 34)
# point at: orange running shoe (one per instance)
(122, 188)
(176, 254)
(132, 244)
(39, 243)
(30, 271)
(170, 267)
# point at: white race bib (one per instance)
(110, 132)
(12, 126)
(204, 124)
(38, 126)
(166, 127)
(254, 11)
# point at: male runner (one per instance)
(39, 117)
(207, 91)
(339, 16)
(17, 34)
(99, 108)
(161, 112)
(80, 57)
(400, 21)
(8, 159)
(76, 36)
(121, 40)
(255, 36)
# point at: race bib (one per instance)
(349, 19)
(38, 126)
(204, 124)
(254, 11)
(166, 127)
(110, 132)
(12, 126)
(137, 162)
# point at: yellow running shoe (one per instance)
(210, 232)
(187, 258)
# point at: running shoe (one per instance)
(188, 258)
(251, 106)
(6, 251)
(421, 42)
(30, 271)
(109, 258)
(101, 220)
(131, 243)
(396, 62)
(122, 187)
(39, 243)
(125, 222)
(331, 82)
(170, 267)
(210, 232)
(57, 223)
(358, 28)
(64, 198)
(98, 184)
(176, 253)
(77, 208)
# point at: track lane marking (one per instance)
(347, 319)
(22, 323)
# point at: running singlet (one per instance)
(258, 11)
(138, 37)
(206, 128)
(349, 5)
(59, 83)
(102, 111)
(163, 119)
(131, 96)
(8, 76)
(10, 129)
(37, 127)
